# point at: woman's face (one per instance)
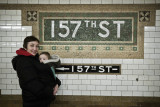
(32, 47)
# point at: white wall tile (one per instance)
(143, 88)
(157, 72)
(16, 92)
(75, 1)
(101, 87)
(154, 78)
(132, 88)
(85, 1)
(73, 87)
(153, 88)
(16, 17)
(157, 23)
(77, 92)
(150, 1)
(11, 86)
(157, 17)
(54, 1)
(22, 1)
(83, 77)
(86, 93)
(126, 83)
(156, 83)
(86, 61)
(106, 1)
(96, 1)
(133, 66)
(86, 82)
(72, 76)
(2, 86)
(154, 34)
(132, 77)
(11, 12)
(157, 12)
(127, 61)
(11, 75)
(148, 94)
(43, 1)
(3, 75)
(105, 93)
(122, 88)
(157, 40)
(106, 82)
(111, 88)
(64, 1)
(138, 1)
(156, 94)
(95, 93)
(67, 92)
(82, 87)
(2, 23)
(78, 82)
(33, 1)
(137, 93)
(116, 93)
(116, 82)
(117, 1)
(126, 93)
(106, 61)
(95, 61)
(6, 92)
(6, 81)
(148, 72)
(67, 60)
(127, 1)
(12, 1)
(95, 82)
(148, 83)
(26, 28)
(149, 28)
(91, 87)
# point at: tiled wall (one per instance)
(140, 77)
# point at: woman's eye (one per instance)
(32, 45)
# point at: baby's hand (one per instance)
(55, 89)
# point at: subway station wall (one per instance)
(139, 77)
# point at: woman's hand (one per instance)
(55, 89)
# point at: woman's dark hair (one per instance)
(29, 39)
(47, 54)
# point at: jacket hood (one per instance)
(20, 53)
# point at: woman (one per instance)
(37, 91)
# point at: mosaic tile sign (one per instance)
(91, 34)
(88, 28)
(89, 31)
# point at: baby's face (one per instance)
(42, 58)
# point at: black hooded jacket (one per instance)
(36, 80)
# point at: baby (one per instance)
(53, 61)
